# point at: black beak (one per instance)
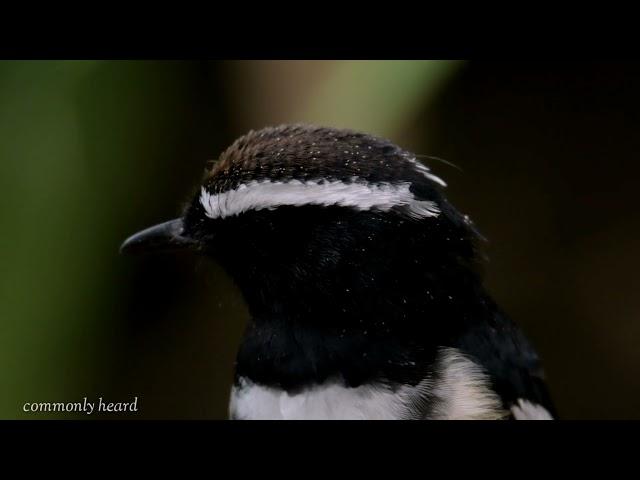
(165, 237)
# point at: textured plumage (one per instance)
(362, 282)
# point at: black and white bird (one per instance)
(362, 282)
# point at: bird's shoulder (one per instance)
(512, 364)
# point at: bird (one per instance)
(363, 283)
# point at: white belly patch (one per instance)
(461, 393)
(326, 401)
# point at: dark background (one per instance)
(90, 152)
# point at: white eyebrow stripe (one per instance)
(258, 195)
(424, 170)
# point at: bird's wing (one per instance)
(505, 354)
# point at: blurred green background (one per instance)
(92, 151)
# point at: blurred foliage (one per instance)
(48, 256)
(380, 97)
(78, 142)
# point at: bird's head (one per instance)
(320, 221)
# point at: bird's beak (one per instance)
(165, 237)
